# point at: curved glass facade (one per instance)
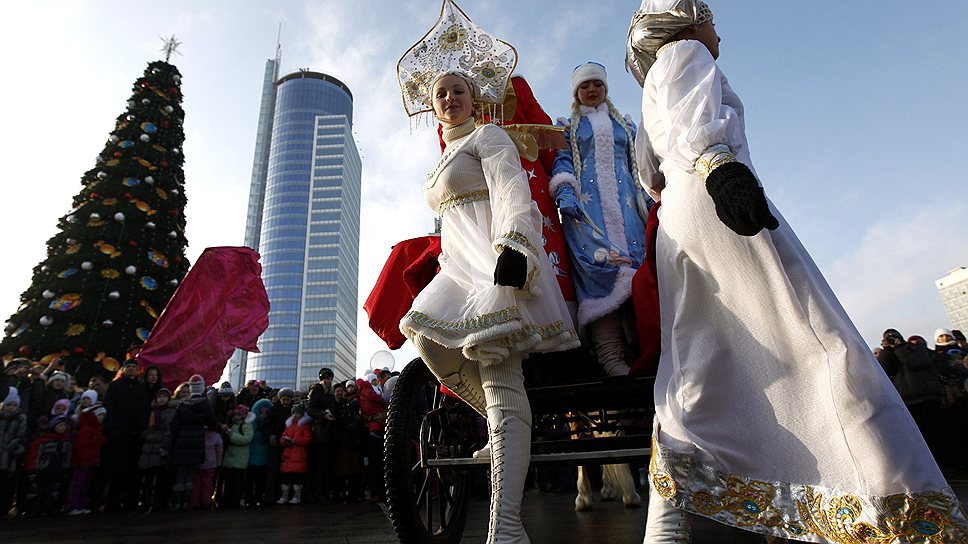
(309, 235)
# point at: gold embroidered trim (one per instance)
(784, 509)
(461, 200)
(519, 239)
(712, 158)
(506, 315)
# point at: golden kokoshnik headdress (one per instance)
(455, 45)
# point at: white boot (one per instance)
(296, 494)
(666, 524)
(283, 494)
(609, 340)
(485, 452)
(510, 440)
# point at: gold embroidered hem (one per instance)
(804, 512)
(460, 200)
(712, 158)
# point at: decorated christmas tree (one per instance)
(119, 254)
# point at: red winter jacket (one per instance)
(295, 454)
(372, 406)
(88, 441)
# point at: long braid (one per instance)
(575, 155)
(628, 133)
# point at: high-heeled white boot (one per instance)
(666, 523)
(510, 440)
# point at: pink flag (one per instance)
(220, 305)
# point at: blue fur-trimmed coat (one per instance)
(608, 244)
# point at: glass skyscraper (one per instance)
(304, 219)
(953, 289)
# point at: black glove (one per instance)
(511, 269)
(740, 203)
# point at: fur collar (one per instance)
(304, 420)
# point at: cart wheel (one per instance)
(426, 505)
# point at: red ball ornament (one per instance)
(177, 259)
(117, 154)
(164, 123)
(173, 213)
(132, 243)
(24, 350)
(144, 84)
(163, 163)
(95, 196)
(78, 350)
(127, 195)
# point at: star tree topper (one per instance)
(170, 46)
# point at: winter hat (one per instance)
(350, 382)
(371, 377)
(916, 339)
(286, 392)
(196, 385)
(242, 410)
(940, 332)
(163, 391)
(62, 402)
(893, 333)
(55, 421)
(589, 71)
(226, 389)
(298, 410)
(14, 364)
(90, 394)
(59, 376)
(13, 397)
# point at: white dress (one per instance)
(771, 412)
(483, 197)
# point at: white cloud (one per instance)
(888, 280)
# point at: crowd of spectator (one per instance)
(132, 444)
(932, 383)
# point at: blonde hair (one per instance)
(573, 133)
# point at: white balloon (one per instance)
(381, 360)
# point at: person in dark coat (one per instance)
(192, 418)
(13, 443)
(47, 464)
(127, 404)
(153, 381)
(156, 453)
(913, 370)
(256, 473)
(275, 425)
(320, 405)
(350, 436)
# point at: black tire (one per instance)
(426, 506)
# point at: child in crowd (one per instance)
(255, 476)
(295, 454)
(48, 461)
(156, 452)
(192, 417)
(238, 437)
(204, 479)
(86, 456)
(13, 432)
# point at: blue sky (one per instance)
(854, 115)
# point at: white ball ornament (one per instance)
(114, 295)
(107, 323)
(149, 180)
(102, 174)
(145, 101)
(114, 138)
(130, 103)
(71, 219)
(173, 282)
(87, 265)
(46, 321)
(119, 216)
(172, 234)
(175, 150)
(130, 117)
(95, 215)
(150, 225)
(169, 109)
(70, 241)
(174, 191)
(48, 294)
(144, 137)
(130, 270)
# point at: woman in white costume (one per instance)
(496, 298)
(771, 413)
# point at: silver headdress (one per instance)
(456, 46)
(655, 22)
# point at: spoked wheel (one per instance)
(426, 505)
